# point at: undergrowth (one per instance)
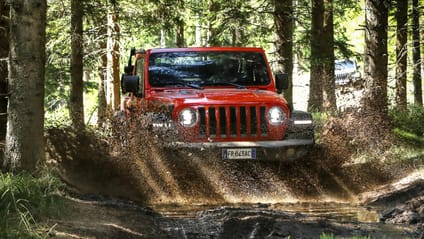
(24, 201)
(411, 120)
(408, 131)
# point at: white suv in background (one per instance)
(346, 71)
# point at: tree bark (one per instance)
(113, 93)
(25, 138)
(180, 41)
(327, 54)
(76, 100)
(198, 31)
(101, 95)
(315, 84)
(284, 23)
(375, 103)
(416, 53)
(115, 62)
(401, 54)
(376, 20)
(4, 52)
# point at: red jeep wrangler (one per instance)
(213, 98)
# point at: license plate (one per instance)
(239, 153)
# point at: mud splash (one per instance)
(133, 164)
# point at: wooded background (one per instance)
(54, 54)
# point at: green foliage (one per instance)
(58, 55)
(57, 85)
(348, 35)
(410, 120)
(57, 118)
(409, 137)
(25, 199)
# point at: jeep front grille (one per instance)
(233, 122)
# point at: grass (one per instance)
(408, 137)
(24, 200)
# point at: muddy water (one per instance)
(277, 221)
(341, 212)
(111, 218)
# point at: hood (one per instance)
(217, 96)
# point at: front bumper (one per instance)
(257, 144)
(288, 150)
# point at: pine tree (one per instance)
(25, 131)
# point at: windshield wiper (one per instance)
(184, 84)
(238, 86)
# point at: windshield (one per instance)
(228, 68)
(344, 65)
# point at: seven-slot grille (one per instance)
(230, 122)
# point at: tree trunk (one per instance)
(4, 52)
(198, 31)
(401, 53)
(375, 103)
(115, 63)
(25, 138)
(180, 41)
(101, 95)
(284, 20)
(416, 53)
(376, 20)
(76, 101)
(113, 95)
(315, 83)
(327, 54)
(162, 38)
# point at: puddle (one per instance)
(282, 220)
(340, 212)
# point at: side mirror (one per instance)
(128, 69)
(132, 51)
(281, 82)
(130, 84)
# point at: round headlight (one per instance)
(276, 115)
(188, 117)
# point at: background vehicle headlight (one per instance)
(276, 115)
(188, 117)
